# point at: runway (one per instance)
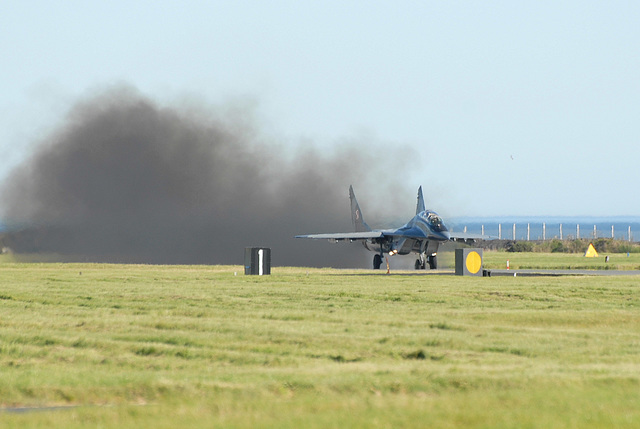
(557, 273)
(506, 273)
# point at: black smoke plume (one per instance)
(126, 179)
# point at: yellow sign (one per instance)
(474, 262)
(591, 252)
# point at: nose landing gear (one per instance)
(421, 263)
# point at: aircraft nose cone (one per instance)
(442, 235)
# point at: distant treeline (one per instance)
(602, 245)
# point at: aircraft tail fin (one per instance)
(420, 207)
(356, 214)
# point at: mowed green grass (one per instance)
(198, 346)
(561, 261)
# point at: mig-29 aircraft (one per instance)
(422, 235)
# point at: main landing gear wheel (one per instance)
(433, 262)
(377, 262)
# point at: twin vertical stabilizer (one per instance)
(356, 214)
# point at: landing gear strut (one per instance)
(420, 262)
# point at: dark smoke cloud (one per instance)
(127, 180)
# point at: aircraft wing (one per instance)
(468, 236)
(345, 235)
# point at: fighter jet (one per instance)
(422, 235)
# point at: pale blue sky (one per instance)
(517, 108)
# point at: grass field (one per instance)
(561, 261)
(197, 346)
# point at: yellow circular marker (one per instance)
(474, 262)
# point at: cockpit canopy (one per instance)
(434, 221)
